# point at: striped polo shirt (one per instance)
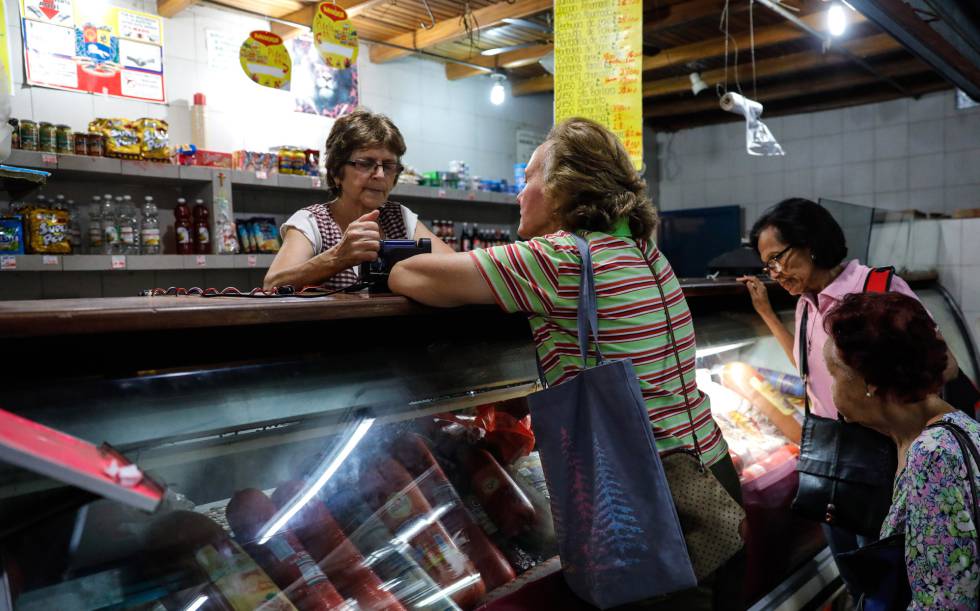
(540, 277)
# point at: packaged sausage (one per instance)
(528, 474)
(507, 505)
(340, 560)
(411, 451)
(287, 562)
(746, 381)
(389, 488)
(242, 584)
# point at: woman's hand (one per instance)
(759, 294)
(361, 242)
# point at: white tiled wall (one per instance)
(441, 120)
(901, 154)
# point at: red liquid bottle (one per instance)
(202, 230)
(182, 228)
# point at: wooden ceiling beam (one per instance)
(452, 28)
(537, 84)
(169, 8)
(764, 37)
(668, 17)
(305, 15)
(505, 61)
(786, 90)
(877, 44)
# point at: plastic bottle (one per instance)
(74, 227)
(202, 230)
(111, 244)
(95, 226)
(182, 227)
(199, 121)
(150, 228)
(126, 221)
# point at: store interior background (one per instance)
(896, 155)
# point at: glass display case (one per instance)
(368, 459)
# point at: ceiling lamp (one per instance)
(836, 20)
(697, 83)
(497, 93)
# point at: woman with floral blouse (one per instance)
(887, 361)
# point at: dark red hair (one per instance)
(891, 341)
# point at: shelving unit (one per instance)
(104, 263)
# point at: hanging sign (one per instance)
(83, 46)
(266, 61)
(335, 36)
(599, 66)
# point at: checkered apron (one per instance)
(392, 226)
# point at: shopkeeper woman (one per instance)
(582, 180)
(324, 244)
(803, 250)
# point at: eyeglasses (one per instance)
(774, 265)
(370, 166)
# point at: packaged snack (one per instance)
(12, 235)
(48, 231)
(266, 234)
(154, 139)
(121, 137)
(245, 237)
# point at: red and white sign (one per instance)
(118, 261)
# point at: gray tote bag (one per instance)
(619, 537)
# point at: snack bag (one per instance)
(12, 235)
(266, 234)
(48, 231)
(154, 139)
(121, 137)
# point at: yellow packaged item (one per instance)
(121, 137)
(48, 231)
(154, 139)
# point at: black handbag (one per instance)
(846, 470)
(878, 571)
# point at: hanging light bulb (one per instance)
(497, 93)
(836, 20)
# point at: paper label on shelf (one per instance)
(266, 61)
(442, 193)
(49, 260)
(8, 263)
(316, 181)
(118, 261)
(335, 36)
(49, 158)
(201, 260)
(252, 260)
(261, 174)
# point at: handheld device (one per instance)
(375, 273)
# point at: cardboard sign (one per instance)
(334, 36)
(266, 61)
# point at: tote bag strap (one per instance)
(588, 311)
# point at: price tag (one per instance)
(471, 196)
(442, 193)
(316, 182)
(49, 158)
(201, 260)
(8, 263)
(118, 261)
(261, 174)
(49, 260)
(252, 260)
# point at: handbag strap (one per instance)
(588, 311)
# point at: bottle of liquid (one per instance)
(95, 226)
(182, 227)
(126, 216)
(111, 244)
(466, 239)
(59, 202)
(202, 230)
(74, 227)
(150, 228)
(477, 241)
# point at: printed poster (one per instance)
(599, 67)
(317, 88)
(266, 61)
(6, 70)
(85, 46)
(335, 36)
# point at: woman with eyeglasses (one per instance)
(325, 243)
(803, 249)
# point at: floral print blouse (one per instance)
(931, 505)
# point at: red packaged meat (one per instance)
(506, 504)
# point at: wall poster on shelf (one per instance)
(87, 46)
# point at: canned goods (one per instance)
(64, 141)
(48, 138)
(298, 159)
(14, 133)
(96, 144)
(285, 161)
(28, 135)
(80, 142)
